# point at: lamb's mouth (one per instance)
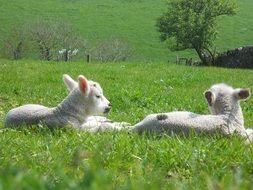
(107, 110)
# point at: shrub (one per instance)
(112, 50)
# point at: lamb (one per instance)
(226, 116)
(85, 99)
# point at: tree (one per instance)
(55, 37)
(13, 43)
(192, 24)
(68, 40)
(43, 34)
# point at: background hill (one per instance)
(128, 20)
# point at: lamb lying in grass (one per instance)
(85, 99)
(226, 116)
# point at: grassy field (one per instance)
(65, 159)
(128, 20)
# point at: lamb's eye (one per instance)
(97, 96)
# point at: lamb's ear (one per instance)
(242, 93)
(83, 85)
(210, 97)
(69, 82)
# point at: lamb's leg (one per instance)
(100, 124)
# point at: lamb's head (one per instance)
(91, 93)
(98, 102)
(224, 99)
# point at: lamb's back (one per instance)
(30, 114)
(181, 123)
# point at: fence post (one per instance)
(88, 58)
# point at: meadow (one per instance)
(37, 158)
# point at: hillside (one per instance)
(127, 20)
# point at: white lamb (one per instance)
(226, 116)
(85, 99)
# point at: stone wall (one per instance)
(237, 58)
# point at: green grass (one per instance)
(65, 159)
(128, 20)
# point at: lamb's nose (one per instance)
(107, 109)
